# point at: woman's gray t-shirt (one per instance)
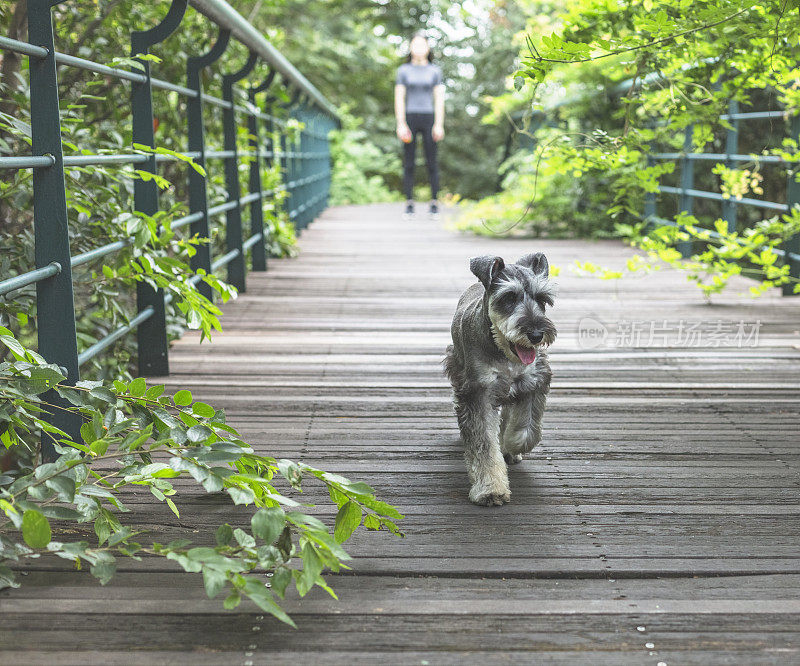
(419, 81)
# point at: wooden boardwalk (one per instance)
(658, 523)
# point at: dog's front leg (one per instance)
(521, 428)
(479, 423)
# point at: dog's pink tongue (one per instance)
(526, 355)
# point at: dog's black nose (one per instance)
(536, 337)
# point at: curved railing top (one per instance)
(228, 18)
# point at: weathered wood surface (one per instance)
(657, 523)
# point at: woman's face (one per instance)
(419, 47)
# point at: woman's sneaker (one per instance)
(433, 211)
(409, 212)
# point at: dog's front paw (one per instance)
(483, 496)
(512, 458)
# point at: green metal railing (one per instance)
(686, 159)
(687, 193)
(304, 162)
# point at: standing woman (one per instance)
(419, 109)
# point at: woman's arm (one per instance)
(403, 132)
(438, 112)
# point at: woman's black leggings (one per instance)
(420, 123)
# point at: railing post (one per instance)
(302, 171)
(328, 166)
(54, 297)
(291, 164)
(283, 165)
(316, 172)
(198, 192)
(310, 162)
(258, 259)
(729, 207)
(686, 201)
(151, 335)
(328, 125)
(793, 200)
(233, 226)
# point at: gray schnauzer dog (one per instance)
(498, 368)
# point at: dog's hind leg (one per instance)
(521, 428)
(479, 423)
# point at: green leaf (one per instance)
(64, 486)
(104, 394)
(182, 398)
(347, 520)
(199, 433)
(102, 528)
(137, 387)
(224, 535)
(383, 508)
(99, 447)
(202, 409)
(16, 348)
(120, 535)
(154, 391)
(104, 570)
(291, 472)
(35, 529)
(232, 600)
(243, 538)
(267, 524)
(372, 522)
(280, 579)
(260, 595)
(358, 488)
(193, 319)
(241, 495)
(312, 567)
(172, 506)
(7, 578)
(214, 581)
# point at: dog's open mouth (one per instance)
(525, 354)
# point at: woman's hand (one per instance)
(437, 132)
(403, 132)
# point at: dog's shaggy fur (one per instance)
(499, 370)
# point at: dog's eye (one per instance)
(544, 300)
(506, 300)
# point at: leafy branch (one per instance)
(555, 43)
(135, 435)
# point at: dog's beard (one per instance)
(518, 352)
(502, 344)
(515, 345)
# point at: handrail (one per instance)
(226, 17)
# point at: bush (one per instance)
(359, 166)
(539, 199)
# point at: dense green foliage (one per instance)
(617, 83)
(350, 49)
(361, 166)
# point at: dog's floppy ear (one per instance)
(537, 262)
(486, 268)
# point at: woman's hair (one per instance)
(419, 33)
